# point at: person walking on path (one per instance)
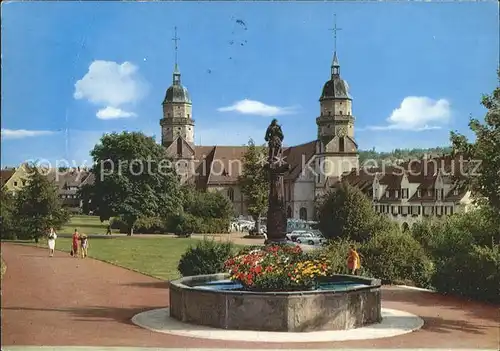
(52, 236)
(74, 248)
(108, 231)
(84, 244)
(353, 261)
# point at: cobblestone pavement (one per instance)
(62, 301)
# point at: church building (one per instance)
(314, 166)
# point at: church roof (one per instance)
(222, 165)
(337, 88)
(177, 93)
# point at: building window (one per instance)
(188, 115)
(168, 114)
(340, 113)
(387, 193)
(396, 194)
(419, 193)
(329, 113)
(15, 183)
(404, 193)
(179, 147)
(230, 194)
(429, 192)
(455, 191)
(341, 144)
(303, 213)
(451, 210)
(289, 212)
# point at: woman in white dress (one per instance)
(52, 241)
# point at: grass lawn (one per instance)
(3, 267)
(157, 257)
(85, 224)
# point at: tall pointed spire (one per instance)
(335, 68)
(177, 74)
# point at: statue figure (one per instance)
(274, 137)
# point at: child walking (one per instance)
(84, 244)
(353, 261)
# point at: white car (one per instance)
(295, 234)
(311, 239)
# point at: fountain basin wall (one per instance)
(275, 311)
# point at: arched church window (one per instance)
(179, 147)
(303, 213)
(289, 212)
(230, 194)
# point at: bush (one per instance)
(149, 225)
(474, 274)
(465, 251)
(396, 257)
(206, 257)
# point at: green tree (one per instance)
(38, 207)
(254, 181)
(7, 226)
(486, 148)
(133, 178)
(345, 212)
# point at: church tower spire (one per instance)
(177, 74)
(335, 67)
(177, 124)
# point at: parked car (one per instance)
(295, 234)
(311, 239)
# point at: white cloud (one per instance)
(418, 113)
(113, 113)
(111, 85)
(252, 107)
(233, 135)
(23, 133)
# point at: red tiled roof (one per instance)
(6, 174)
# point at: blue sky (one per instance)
(72, 71)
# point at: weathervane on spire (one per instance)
(334, 30)
(175, 39)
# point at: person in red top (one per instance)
(74, 248)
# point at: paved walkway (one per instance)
(63, 301)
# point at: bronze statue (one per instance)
(274, 137)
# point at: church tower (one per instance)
(177, 124)
(336, 150)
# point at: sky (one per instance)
(72, 71)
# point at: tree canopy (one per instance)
(485, 148)
(133, 178)
(254, 181)
(37, 206)
(345, 212)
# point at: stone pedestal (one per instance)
(276, 214)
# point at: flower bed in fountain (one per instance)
(276, 288)
(277, 268)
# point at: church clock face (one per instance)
(342, 132)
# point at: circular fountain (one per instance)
(340, 302)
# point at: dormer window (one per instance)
(387, 193)
(419, 193)
(396, 194)
(455, 191)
